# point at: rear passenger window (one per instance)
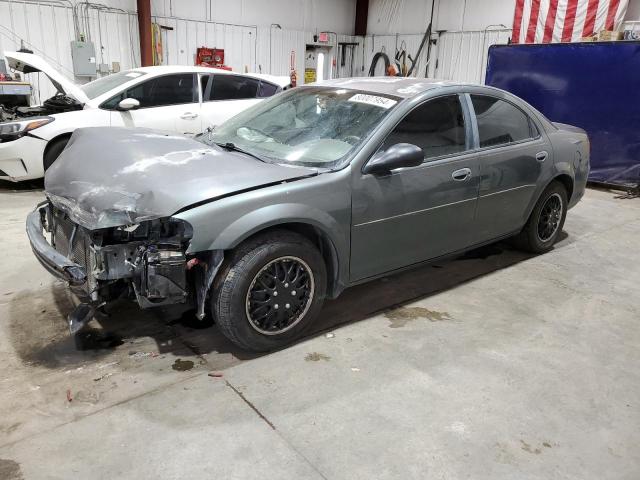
(436, 126)
(206, 86)
(232, 87)
(267, 89)
(500, 122)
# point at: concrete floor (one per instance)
(494, 366)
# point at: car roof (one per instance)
(398, 86)
(282, 81)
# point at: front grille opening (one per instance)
(63, 236)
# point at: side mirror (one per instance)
(400, 155)
(128, 104)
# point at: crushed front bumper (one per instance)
(52, 260)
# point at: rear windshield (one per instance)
(105, 84)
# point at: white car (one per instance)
(181, 99)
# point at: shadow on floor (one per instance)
(39, 333)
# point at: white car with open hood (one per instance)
(181, 99)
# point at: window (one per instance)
(103, 85)
(436, 126)
(500, 122)
(206, 85)
(234, 87)
(314, 126)
(267, 89)
(159, 91)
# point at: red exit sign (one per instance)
(323, 37)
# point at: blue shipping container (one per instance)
(592, 85)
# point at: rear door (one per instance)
(419, 213)
(167, 102)
(513, 155)
(226, 95)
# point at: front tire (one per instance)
(546, 221)
(271, 290)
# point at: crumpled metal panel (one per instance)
(109, 177)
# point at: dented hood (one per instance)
(30, 63)
(109, 177)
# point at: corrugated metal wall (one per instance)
(186, 35)
(462, 56)
(389, 44)
(47, 28)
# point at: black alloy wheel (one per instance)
(280, 295)
(549, 218)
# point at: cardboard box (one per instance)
(608, 36)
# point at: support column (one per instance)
(144, 27)
(362, 12)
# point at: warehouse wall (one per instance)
(412, 16)
(243, 28)
(301, 15)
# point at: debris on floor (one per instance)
(215, 374)
(137, 355)
(106, 375)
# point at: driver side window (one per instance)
(159, 92)
(437, 126)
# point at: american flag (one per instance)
(546, 21)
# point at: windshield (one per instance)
(103, 85)
(310, 126)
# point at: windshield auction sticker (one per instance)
(381, 102)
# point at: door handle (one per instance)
(189, 116)
(541, 156)
(461, 175)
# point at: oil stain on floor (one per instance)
(399, 317)
(316, 357)
(182, 365)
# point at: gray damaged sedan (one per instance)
(294, 200)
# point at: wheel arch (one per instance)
(224, 230)
(47, 148)
(567, 182)
(564, 179)
(316, 235)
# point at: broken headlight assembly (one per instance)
(149, 257)
(16, 129)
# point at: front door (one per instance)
(168, 102)
(419, 213)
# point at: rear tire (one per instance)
(546, 221)
(270, 291)
(54, 149)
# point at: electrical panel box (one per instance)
(83, 55)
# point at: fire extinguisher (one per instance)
(293, 76)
